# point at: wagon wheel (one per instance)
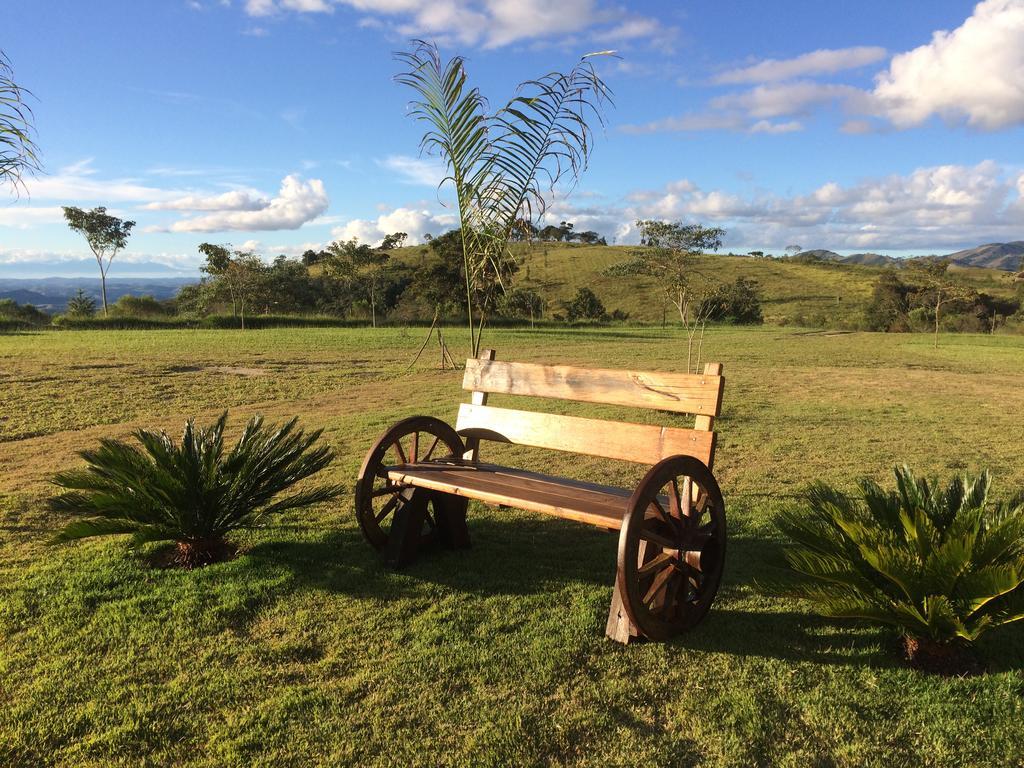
(672, 547)
(417, 439)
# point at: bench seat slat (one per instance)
(679, 392)
(590, 503)
(642, 443)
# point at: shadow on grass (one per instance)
(528, 557)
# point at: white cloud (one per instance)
(414, 222)
(296, 203)
(785, 99)
(25, 216)
(946, 206)
(427, 172)
(487, 23)
(236, 200)
(78, 183)
(975, 72)
(820, 62)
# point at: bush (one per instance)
(138, 307)
(738, 302)
(585, 305)
(15, 316)
(890, 302)
(191, 493)
(941, 565)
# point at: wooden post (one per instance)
(704, 422)
(478, 398)
(406, 528)
(450, 514)
(619, 627)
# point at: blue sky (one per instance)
(275, 124)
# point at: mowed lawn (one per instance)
(305, 651)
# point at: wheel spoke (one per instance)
(656, 538)
(401, 453)
(415, 446)
(661, 511)
(654, 563)
(658, 584)
(388, 508)
(672, 595)
(389, 489)
(430, 451)
(673, 499)
(688, 497)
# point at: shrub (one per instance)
(941, 565)
(21, 315)
(585, 305)
(139, 306)
(738, 302)
(190, 492)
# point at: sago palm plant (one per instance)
(940, 564)
(502, 166)
(192, 492)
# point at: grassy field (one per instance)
(304, 651)
(792, 293)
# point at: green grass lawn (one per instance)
(305, 651)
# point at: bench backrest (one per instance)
(698, 394)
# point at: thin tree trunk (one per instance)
(103, 287)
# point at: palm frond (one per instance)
(191, 490)
(938, 562)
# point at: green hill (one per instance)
(792, 293)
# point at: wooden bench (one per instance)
(416, 481)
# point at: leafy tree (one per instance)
(936, 288)
(589, 237)
(496, 160)
(311, 257)
(360, 265)
(793, 250)
(105, 234)
(739, 302)
(523, 303)
(81, 305)
(889, 305)
(940, 564)
(757, 254)
(18, 151)
(585, 305)
(395, 240)
(669, 257)
(191, 492)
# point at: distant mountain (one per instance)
(51, 294)
(818, 254)
(79, 268)
(870, 259)
(1007, 256)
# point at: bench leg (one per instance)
(450, 515)
(619, 627)
(406, 528)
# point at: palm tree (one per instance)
(502, 166)
(18, 151)
(190, 492)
